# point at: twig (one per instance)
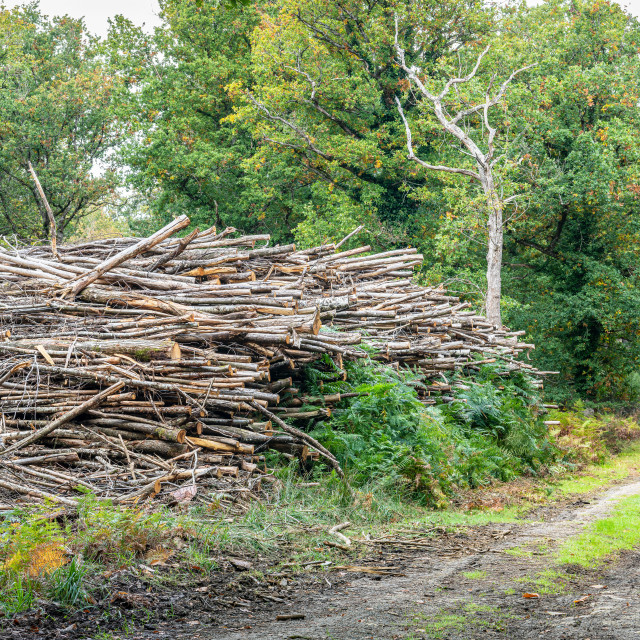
(126, 453)
(30, 491)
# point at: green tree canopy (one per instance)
(190, 154)
(281, 116)
(575, 246)
(55, 112)
(325, 81)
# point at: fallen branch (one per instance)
(63, 419)
(306, 438)
(335, 531)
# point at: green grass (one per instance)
(529, 550)
(475, 575)
(439, 623)
(619, 532)
(592, 478)
(476, 518)
(473, 607)
(602, 539)
(17, 594)
(66, 584)
(548, 582)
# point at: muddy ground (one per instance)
(454, 586)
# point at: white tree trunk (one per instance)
(484, 161)
(494, 248)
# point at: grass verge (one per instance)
(598, 475)
(603, 538)
(600, 542)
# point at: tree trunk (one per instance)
(494, 249)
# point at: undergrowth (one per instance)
(66, 558)
(385, 434)
(47, 554)
(587, 437)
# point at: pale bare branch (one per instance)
(434, 167)
(307, 76)
(469, 76)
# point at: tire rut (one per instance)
(392, 608)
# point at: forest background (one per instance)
(282, 117)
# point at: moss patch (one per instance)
(475, 575)
(471, 616)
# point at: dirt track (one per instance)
(460, 585)
(433, 599)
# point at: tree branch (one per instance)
(559, 227)
(534, 245)
(469, 76)
(450, 124)
(434, 167)
(300, 132)
(313, 102)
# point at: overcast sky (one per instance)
(96, 13)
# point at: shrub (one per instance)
(490, 432)
(31, 552)
(584, 436)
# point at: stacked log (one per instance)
(133, 367)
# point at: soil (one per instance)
(458, 585)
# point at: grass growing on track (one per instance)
(469, 617)
(619, 532)
(602, 540)
(597, 476)
(474, 575)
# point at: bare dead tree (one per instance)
(485, 160)
(53, 232)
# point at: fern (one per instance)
(385, 434)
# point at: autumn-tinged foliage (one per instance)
(575, 247)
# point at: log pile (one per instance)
(133, 368)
